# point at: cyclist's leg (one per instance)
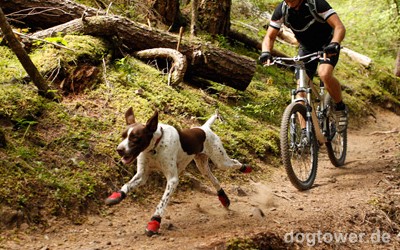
(332, 85)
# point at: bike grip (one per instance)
(267, 63)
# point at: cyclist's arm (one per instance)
(339, 31)
(269, 39)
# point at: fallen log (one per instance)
(204, 60)
(207, 61)
(44, 14)
(286, 35)
(355, 56)
(178, 68)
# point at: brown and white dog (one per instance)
(161, 147)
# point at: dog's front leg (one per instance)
(137, 180)
(154, 225)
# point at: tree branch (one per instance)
(24, 58)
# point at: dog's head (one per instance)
(137, 137)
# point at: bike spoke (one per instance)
(302, 162)
(337, 145)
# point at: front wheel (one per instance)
(299, 154)
(337, 142)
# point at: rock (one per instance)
(10, 217)
(257, 213)
(240, 192)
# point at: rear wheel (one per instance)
(299, 156)
(337, 142)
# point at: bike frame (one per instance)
(310, 88)
(304, 87)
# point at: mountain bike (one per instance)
(308, 122)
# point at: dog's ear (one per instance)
(129, 116)
(152, 123)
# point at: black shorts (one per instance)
(311, 67)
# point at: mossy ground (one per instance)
(60, 158)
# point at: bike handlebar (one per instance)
(296, 59)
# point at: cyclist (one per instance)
(322, 30)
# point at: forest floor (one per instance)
(352, 207)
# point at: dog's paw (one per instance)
(115, 198)
(246, 169)
(153, 226)
(223, 198)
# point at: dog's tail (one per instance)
(212, 119)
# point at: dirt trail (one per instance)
(343, 200)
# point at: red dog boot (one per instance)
(115, 198)
(153, 226)
(245, 169)
(223, 198)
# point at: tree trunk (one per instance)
(205, 61)
(397, 66)
(24, 58)
(194, 19)
(168, 12)
(214, 16)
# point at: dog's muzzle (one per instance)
(127, 157)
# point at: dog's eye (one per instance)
(135, 139)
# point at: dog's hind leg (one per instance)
(154, 225)
(219, 156)
(201, 161)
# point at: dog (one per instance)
(162, 147)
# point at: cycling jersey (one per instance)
(310, 33)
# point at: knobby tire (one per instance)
(337, 142)
(298, 159)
